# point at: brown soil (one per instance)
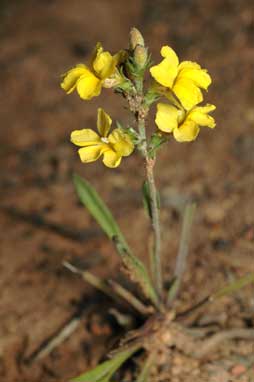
(42, 223)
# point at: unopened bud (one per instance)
(140, 56)
(136, 38)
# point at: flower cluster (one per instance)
(184, 82)
(180, 84)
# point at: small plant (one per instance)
(176, 88)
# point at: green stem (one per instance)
(139, 85)
(142, 134)
(156, 253)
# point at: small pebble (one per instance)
(237, 370)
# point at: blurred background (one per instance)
(42, 222)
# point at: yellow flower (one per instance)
(112, 146)
(184, 79)
(183, 125)
(88, 80)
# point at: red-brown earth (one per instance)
(42, 223)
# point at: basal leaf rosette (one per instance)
(112, 146)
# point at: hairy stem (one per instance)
(156, 254)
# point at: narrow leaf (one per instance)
(183, 251)
(137, 272)
(95, 374)
(173, 289)
(104, 371)
(233, 287)
(97, 208)
(157, 140)
(146, 369)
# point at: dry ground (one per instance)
(41, 222)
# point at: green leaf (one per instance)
(96, 374)
(137, 272)
(173, 289)
(183, 251)
(145, 371)
(151, 96)
(97, 208)
(119, 125)
(156, 141)
(233, 287)
(104, 371)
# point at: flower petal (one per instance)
(120, 56)
(188, 65)
(90, 153)
(121, 142)
(166, 71)
(200, 77)
(187, 92)
(103, 122)
(111, 159)
(88, 86)
(187, 132)
(201, 117)
(207, 108)
(170, 54)
(71, 77)
(104, 64)
(98, 49)
(85, 137)
(167, 117)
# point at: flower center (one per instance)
(104, 140)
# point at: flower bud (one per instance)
(140, 56)
(136, 38)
